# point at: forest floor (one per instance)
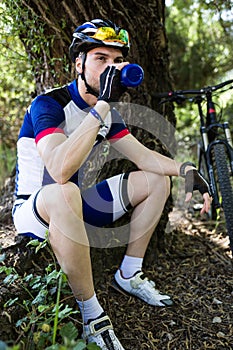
(195, 269)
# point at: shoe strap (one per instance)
(100, 325)
(138, 278)
(141, 279)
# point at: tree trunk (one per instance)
(46, 28)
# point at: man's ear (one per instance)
(78, 65)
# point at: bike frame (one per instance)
(216, 147)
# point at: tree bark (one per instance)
(46, 33)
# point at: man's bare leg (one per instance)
(61, 206)
(148, 194)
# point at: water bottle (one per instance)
(132, 75)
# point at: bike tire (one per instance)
(225, 186)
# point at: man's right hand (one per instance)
(111, 88)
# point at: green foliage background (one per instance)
(200, 36)
(16, 88)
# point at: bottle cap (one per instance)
(132, 75)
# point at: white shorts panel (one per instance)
(26, 221)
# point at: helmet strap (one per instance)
(89, 89)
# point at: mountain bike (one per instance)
(215, 149)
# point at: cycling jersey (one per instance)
(62, 110)
(59, 110)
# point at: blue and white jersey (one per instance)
(59, 110)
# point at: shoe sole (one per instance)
(116, 286)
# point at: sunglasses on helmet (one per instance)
(109, 34)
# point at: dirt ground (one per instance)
(195, 269)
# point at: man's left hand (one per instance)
(195, 181)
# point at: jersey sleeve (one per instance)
(118, 128)
(47, 117)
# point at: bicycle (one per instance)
(215, 149)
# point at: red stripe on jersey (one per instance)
(119, 135)
(48, 132)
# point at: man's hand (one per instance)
(195, 181)
(111, 88)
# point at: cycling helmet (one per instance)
(96, 33)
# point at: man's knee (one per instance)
(161, 183)
(69, 193)
(55, 197)
(143, 184)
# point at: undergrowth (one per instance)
(48, 323)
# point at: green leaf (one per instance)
(40, 298)
(42, 308)
(10, 279)
(80, 346)
(35, 282)
(69, 331)
(65, 312)
(10, 302)
(2, 257)
(33, 243)
(21, 321)
(54, 275)
(41, 245)
(6, 270)
(93, 346)
(53, 347)
(28, 277)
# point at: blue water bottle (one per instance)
(132, 75)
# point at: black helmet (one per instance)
(96, 33)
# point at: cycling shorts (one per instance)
(103, 204)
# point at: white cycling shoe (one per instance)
(100, 331)
(141, 287)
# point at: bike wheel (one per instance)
(225, 186)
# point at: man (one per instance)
(60, 130)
